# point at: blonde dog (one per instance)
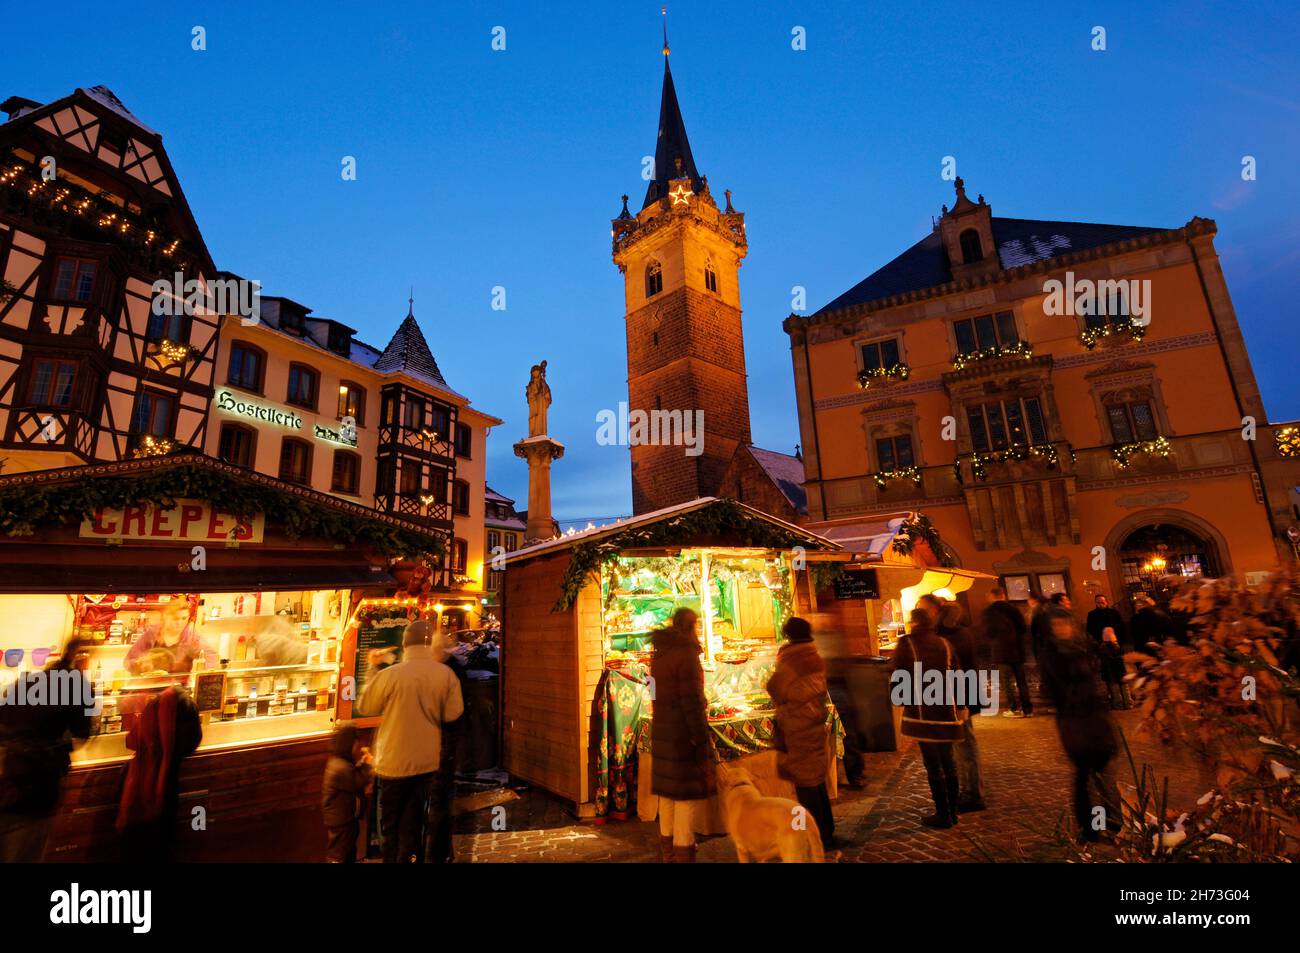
(766, 827)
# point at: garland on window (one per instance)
(1045, 451)
(921, 528)
(720, 519)
(1018, 349)
(1092, 335)
(23, 508)
(1288, 441)
(884, 477)
(898, 371)
(1124, 452)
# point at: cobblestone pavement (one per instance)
(1027, 783)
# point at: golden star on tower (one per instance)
(681, 195)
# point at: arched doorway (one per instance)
(1156, 550)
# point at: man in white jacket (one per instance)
(415, 697)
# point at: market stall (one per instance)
(580, 611)
(185, 572)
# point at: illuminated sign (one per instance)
(343, 435)
(241, 406)
(191, 521)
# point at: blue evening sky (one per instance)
(479, 168)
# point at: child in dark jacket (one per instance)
(347, 772)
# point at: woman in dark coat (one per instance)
(937, 726)
(798, 691)
(683, 772)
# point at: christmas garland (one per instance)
(900, 371)
(1015, 452)
(1092, 335)
(720, 519)
(23, 508)
(1018, 349)
(883, 477)
(921, 528)
(1288, 441)
(1123, 452)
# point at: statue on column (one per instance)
(538, 393)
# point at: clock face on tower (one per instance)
(681, 195)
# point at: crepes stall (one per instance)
(580, 611)
(186, 572)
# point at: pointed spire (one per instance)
(409, 352)
(672, 146)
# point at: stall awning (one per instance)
(869, 539)
(134, 579)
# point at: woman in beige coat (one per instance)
(798, 690)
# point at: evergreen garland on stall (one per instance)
(922, 528)
(25, 507)
(720, 519)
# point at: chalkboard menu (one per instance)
(857, 584)
(209, 691)
(379, 627)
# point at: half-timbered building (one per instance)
(91, 216)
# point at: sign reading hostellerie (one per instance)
(256, 410)
(191, 521)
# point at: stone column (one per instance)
(539, 452)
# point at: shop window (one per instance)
(710, 277)
(654, 279)
(155, 414)
(295, 461)
(985, 332)
(972, 250)
(1002, 424)
(303, 385)
(464, 440)
(894, 453)
(74, 279)
(347, 469)
(1131, 421)
(53, 383)
(352, 402)
(459, 556)
(412, 478)
(247, 365)
(237, 445)
(1111, 306)
(460, 498)
(880, 354)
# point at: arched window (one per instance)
(971, 248)
(295, 461)
(237, 445)
(654, 279)
(1131, 415)
(460, 498)
(247, 365)
(459, 557)
(352, 402)
(347, 470)
(304, 384)
(710, 277)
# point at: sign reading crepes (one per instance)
(192, 521)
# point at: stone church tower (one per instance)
(680, 259)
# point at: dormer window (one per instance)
(710, 277)
(972, 250)
(654, 279)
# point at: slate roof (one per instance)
(409, 353)
(671, 145)
(1020, 241)
(786, 471)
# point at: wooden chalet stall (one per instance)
(579, 610)
(185, 571)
